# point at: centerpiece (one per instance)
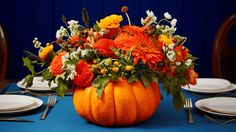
(113, 70)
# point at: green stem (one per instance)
(128, 18)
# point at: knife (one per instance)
(14, 119)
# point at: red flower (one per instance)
(181, 53)
(84, 75)
(56, 64)
(112, 33)
(104, 46)
(191, 76)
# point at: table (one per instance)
(63, 118)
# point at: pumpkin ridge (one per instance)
(136, 103)
(114, 104)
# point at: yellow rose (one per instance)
(165, 39)
(112, 21)
(45, 52)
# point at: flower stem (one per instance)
(128, 18)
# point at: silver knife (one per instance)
(14, 119)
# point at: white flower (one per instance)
(74, 27)
(152, 19)
(171, 55)
(173, 22)
(178, 63)
(74, 55)
(62, 32)
(65, 58)
(158, 26)
(167, 15)
(36, 43)
(188, 62)
(73, 73)
(143, 21)
(164, 48)
(169, 30)
(171, 46)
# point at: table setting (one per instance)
(115, 78)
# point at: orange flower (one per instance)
(104, 46)
(181, 53)
(84, 75)
(192, 76)
(111, 33)
(45, 52)
(56, 64)
(144, 48)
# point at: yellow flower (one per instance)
(112, 21)
(45, 52)
(165, 39)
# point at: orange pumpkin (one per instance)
(121, 103)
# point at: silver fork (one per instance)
(188, 106)
(52, 99)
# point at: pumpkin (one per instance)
(121, 103)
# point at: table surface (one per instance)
(62, 117)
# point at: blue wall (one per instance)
(26, 19)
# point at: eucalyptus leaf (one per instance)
(85, 17)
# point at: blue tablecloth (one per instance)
(63, 118)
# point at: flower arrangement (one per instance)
(108, 51)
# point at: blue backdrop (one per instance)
(25, 19)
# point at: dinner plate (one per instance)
(38, 85)
(201, 104)
(210, 85)
(36, 103)
(14, 102)
(221, 104)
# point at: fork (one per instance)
(52, 99)
(188, 106)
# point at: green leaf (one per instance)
(178, 100)
(96, 28)
(31, 56)
(47, 75)
(85, 17)
(132, 79)
(100, 84)
(145, 80)
(61, 89)
(28, 64)
(28, 80)
(60, 77)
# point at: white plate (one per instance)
(221, 104)
(200, 105)
(36, 103)
(14, 102)
(210, 85)
(38, 85)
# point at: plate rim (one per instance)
(230, 88)
(199, 105)
(38, 103)
(18, 98)
(219, 98)
(19, 84)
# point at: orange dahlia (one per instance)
(144, 48)
(84, 75)
(56, 64)
(104, 46)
